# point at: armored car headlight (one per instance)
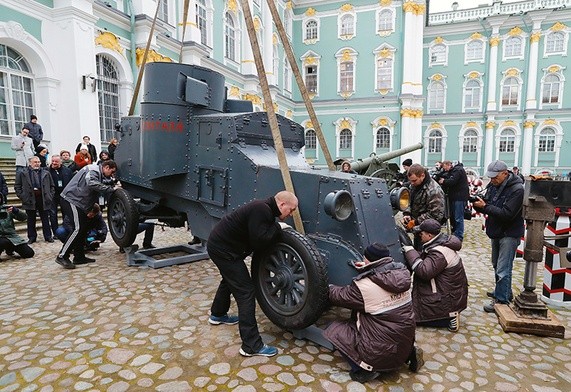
(338, 205)
(400, 198)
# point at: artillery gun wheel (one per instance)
(291, 282)
(123, 218)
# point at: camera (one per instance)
(4, 211)
(475, 197)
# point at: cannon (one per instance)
(193, 155)
(378, 165)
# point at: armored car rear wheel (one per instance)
(291, 282)
(123, 218)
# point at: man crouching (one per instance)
(380, 334)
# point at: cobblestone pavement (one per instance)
(109, 327)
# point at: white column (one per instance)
(489, 143)
(492, 71)
(531, 101)
(527, 146)
(248, 65)
(148, 7)
(268, 43)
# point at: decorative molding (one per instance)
(535, 37)
(110, 41)
(550, 121)
(490, 124)
(289, 112)
(383, 91)
(529, 124)
(494, 41)
(385, 3)
(233, 6)
(471, 124)
(413, 113)
(345, 124)
(347, 55)
(257, 23)
(476, 35)
(554, 69)
(152, 57)
(558, 27)
(234, 92)
(274, 39)
(256, 100)
(435, 125)
(308, 124)
(512, 72)
(438, 40)
(15, 30)
(383, 122)
(346, 7)
(437, 77)
(310, 60)
(385, 53)
(310, 12)
(515, 31)
(415, 8)
(474, 75)
(509, 123)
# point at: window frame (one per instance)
(473, 142)
(387, 137)
(430, 96)
(235, 31)
(467, 50)
(465, 107)
(507, 46)
(435, 142)
(314, 36)
(107, 120)
(562, 51)
(507, 143)
(346, 32)
(391, 28)
(431, 52)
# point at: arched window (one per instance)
(108, 95)
(470, 142)
(438, 54)
(164, 10)
(507, 140)
(383, 138)
(347, 25)
(547, 140)
(16, 91)
(384, 73)
(310, 139)
(311, 30)
(311, 78)
(474, 50)
(345, 140)
(510, 91)
(436, 96)
(202, 20)
(230, 38)
(435, 141)
(513, 47)
(551, 88)
(287, 75)
(385, 21)
(472, 95)
(346, 76)
(555, 43)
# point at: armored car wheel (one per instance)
(291, 282)
(123, 218)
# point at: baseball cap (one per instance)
(495, 168)
(429, 226)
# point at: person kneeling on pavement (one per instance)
(96, 226)
(10, 241)
(440, 289)
(380, 334)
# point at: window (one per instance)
(230, 38)
(435, 141)
(472, 95)
(384, 73)
(555, 43)
(510, 91)
(551, 87)
(201, 21)
(347, 26)
(507, 140)
(346, 77)
(164, 10)
(16, 91)
(383, 138)
(474, 50)
(385, 21)
(547, 140)
(310, 139)
(513, 47)
(438, 54)
(287, 75)
(108, 96)
(311, 30)
(470, 142)
(345, 140)
(436, 96)
(311, 78)
(287, 22)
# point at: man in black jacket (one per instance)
(61, 176)
(36, 131)
(252, 227)
(504, 225)
(455, 185)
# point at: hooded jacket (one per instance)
(426, 201)
(380, 334)
(440, 284)
(85, 187)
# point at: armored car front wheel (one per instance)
(291, 282)
(123, 218)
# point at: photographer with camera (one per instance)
(10, 241)
(504, 226)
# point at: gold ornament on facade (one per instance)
(289, 114)
(289, 5)
(438, 40)
(308, 124)
(383, 122)
(232, 5)
(309, 60)
(252, 98)
(535, 37)
(490, 124)
(385, 3)
(347, 55)
(310, 12)
(553, 69)
(436, 77)
(473, 75)
(471, 124)
(476, 36)
(415, 8)
(494, 41)
(509, 123)
(275, 105)
(234, 91)
(152, 57)
(346, 94)
(515, 31)
(345, 124)
(550, 121)
(384, 91)
(274, 39)
(529, 124)
(346, 8)
(512, 72)
(384, 53)
(413, 113)
(109, 40)
(257, 24)
(558, 27)
(435, 125)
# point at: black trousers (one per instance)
(45, 218)
(23, 250)
(236, 281)
(76, 239)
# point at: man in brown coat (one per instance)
(380, 334)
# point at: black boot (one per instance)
(363, 375)
(415, 359)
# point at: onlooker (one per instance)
(96, 226)
(112, 147)
(426, 200)
(252, 227)
(103, 156)
(379, 336)
(90, 148)
(346, 168)
(67, 161)
(61, 176)
(516, 171)
(35, 187)
(82, 158)
(10, 241)
(457, 190)
(406, 164)
(77, 198)
(23, 145)
(504, 225)
(42, 153)
(36, 131)
(149, 229)
(440, 290)
(3, 188)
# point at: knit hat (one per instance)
(429, 226)
(33, 117)
(376, 252)
(407, 162)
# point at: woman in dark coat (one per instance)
(380, 335)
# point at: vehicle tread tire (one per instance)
(130, 218)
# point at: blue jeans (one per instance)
(457, 218)
(503, 255)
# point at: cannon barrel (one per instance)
(363, 164)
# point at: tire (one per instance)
(123, 218)
(291, 282)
